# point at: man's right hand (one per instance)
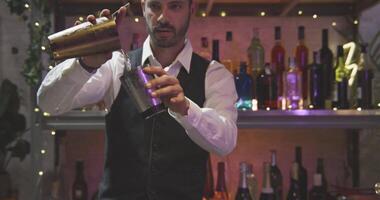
(95, 61)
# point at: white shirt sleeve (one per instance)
(213, 127)
(68, 86)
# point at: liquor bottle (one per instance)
(256, 56)
(320, 170)
(208, 192)
(267, 192)
(317, 192)
(221, 188)
(365, 77)
(316, 78)
(58, 190)
(275, 176)
(215, 50)
(252, 182)
(266, 82)
(231, 57)
(135, 41)
(79, 189)
(243, 83)
(205, 50)
(302, 56)
(243, 191)
(294, 192)
(327, 62)
(293, 87)
(278, 60)
(302, 174)
(341, 78)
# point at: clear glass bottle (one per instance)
(341, 79)
(278, 61)
(256, 57)
(365, 78)
(293, 86)
(243, 190)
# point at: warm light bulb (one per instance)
(83, 110)
(43, 48)
(335, 109)
(46, 114)
(300, 12)
(333, 24)
(137, 19)
(356, 22)
(203, 14)
(378, 105)
(53, 133)
(311, 106)
(36, 24)
(26, 5)
(359, 109)
(262, 14)
(51, 67)
(223, 14)
(81, 19)
(315, 16)
(268, 109)
(254, 105)
(40, 173)
(43, 151)
(36, 110)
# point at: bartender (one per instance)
(164, 157)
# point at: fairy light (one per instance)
(46, 114)
(356, 22)
(83, 110)
(268, 109)
(36, 110)
(26, 5)
(262, 13)
(51, 67)
(52, 132)
(106, 110)
(311, 106)
(43, 151)
(137, 19)
(43, 48)
(223, 14)
(333, 23)
(81, 19)
(41, 173)
(359, 109)
(300, 12)
(378, 105)
(315, 16)
(203, 14)
(36, 24)
(335, 109)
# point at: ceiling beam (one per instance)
(289, 7)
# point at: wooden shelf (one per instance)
(345, 119)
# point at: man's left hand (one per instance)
(168, 89)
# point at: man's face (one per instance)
(167, 21)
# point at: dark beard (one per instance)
(170, 42)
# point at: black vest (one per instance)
(154, 159)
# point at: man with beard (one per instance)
(163, 157)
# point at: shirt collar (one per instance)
(184, 57)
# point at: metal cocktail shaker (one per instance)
(133, 81)
(86, 39)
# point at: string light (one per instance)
(262, 14)
(46, 114)
(335, 109)
(51, 67)
(43, 48)
(40, 173)
(359, 109)
(52, 132)
(137, 19)
(311, 106)
(36, 24)
(36, 110)
(315, 16)
(203, 14)
(223, 14)
(268, 109)
(26, 6)
(106, 110)
(333, 24)
(83, 110)
(300, 12)
(356, 22)
(378, 105)
(43, 151)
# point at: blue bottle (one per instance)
(243, 83)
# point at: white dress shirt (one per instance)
(213, 127)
